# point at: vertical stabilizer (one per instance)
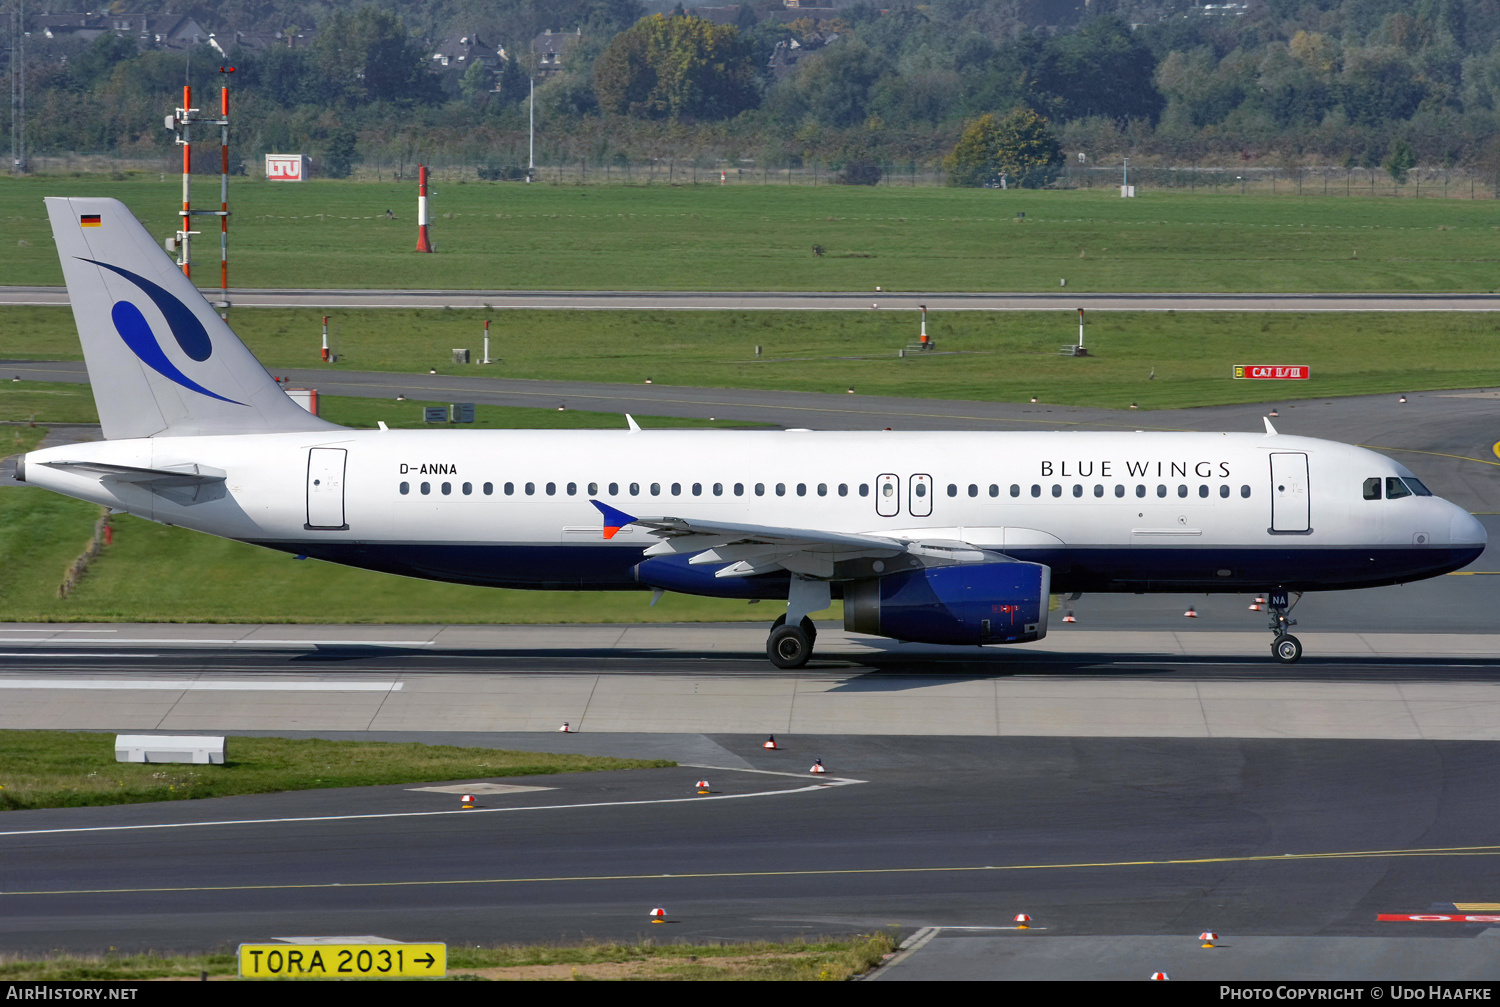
(159, 359)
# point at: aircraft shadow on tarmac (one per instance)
(881, 669)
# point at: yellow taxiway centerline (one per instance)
(1454, 851)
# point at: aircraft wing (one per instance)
(746, 550)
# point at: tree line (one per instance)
(1268, 82)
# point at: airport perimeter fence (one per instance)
(1305, 181)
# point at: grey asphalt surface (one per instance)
(657, 300)
(942, 832)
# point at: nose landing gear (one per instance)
(1286, 648)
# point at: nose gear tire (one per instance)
(1287, 649)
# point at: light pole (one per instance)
(531, 142)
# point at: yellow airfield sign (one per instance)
(341, 961)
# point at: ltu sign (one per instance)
(284, 168)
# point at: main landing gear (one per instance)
(793, 634)
(1286, 648)
(791, 646)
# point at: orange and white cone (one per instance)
(1069, 618)
(817, 767)
(1255, 607)
(658, 915)
(1191, 613)
(1208, 937)
(1023, 922)
(565, 729)
(1160, 975)
(702, 786)
(771, 744)
(467, 801)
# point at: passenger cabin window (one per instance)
(1245, 492)
(1078, 489)
(1395, 489)
(405, 488)
(822, 489)
(995, 490)
(973, 490)
(1015, 490)
(635, 489)
(1120, 490)
(697, 489)
(593, 489)
(1140, 489)
(953, 489)
(677, 489)
(1182, 490)
(1372, 488)
(718, 489)
(739, 489)
(530, 488)
(802, 489)
(1036, 490)
(572, 489)
(552, 489)
(1056, 489)
(1224, 491)
(614, 489)
(468, 488)
(447, 488)
(426, 488)
(489, 489)
(864, 489)
(781, 489)
(1203, 492)
(843, 489)
(1098, 489)
(510, 488)
(760, 489)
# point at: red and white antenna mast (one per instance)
(181, 121)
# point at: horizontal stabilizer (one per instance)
(182, 484)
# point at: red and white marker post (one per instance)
(424, 243)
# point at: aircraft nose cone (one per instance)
(1464, 529)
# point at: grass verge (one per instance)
(817, 960)
(1156, 360)
(752, 237)
(67, 769)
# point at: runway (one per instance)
(1093, 838)
(659, 300)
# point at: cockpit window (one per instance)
(1372, 488)
(1395, 489)
(1416, 486)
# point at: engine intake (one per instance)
(966, 604)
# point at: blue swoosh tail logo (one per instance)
(189, 332)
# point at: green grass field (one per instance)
(754, 237)
(70, 769)
(800, 959)
(1009, 356)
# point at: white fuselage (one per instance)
(1108, 511)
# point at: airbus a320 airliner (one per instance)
(946, 538)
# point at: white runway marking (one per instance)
(309, 644)
(823, 784)
(209, 685)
